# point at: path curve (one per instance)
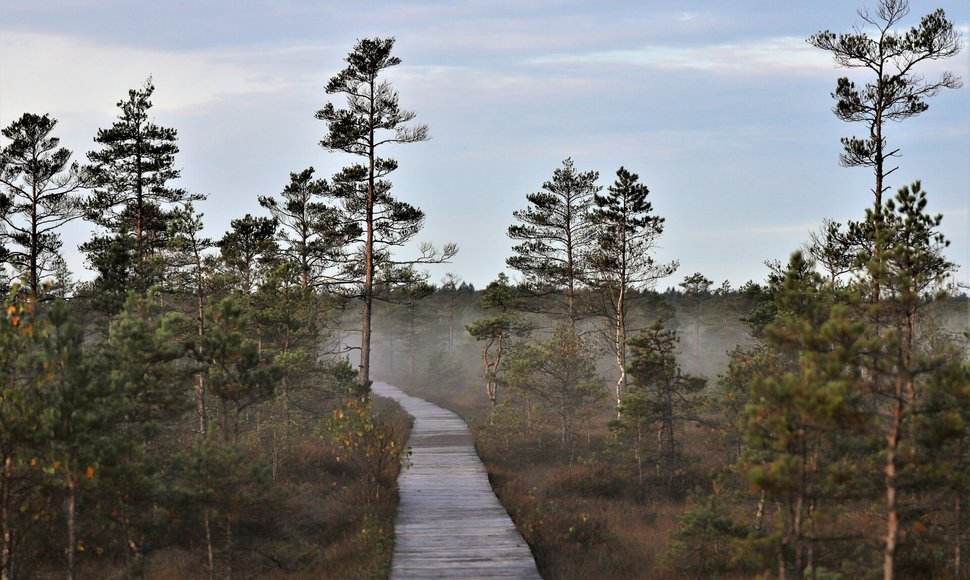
(450, 524)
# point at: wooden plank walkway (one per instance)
(450, 524)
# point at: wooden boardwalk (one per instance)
(450, 524)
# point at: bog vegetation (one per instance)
(194, 411)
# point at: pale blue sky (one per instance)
(722, 109)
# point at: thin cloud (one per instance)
(750, 231)
(37, 72)
(784, 54)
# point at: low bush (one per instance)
(598, 480)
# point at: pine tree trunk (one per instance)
(412, 365)
(136, 568)
(139, 202)
(208, 543)
(228, 547)
(489, 382)
(71, 516)
(200, 332)
(892, 514)
(528, 412)
(667, 427)
(876, 134)
(365, 337)
(305, 268)
(812, 510)
(562, 414)
(491, 369)
(200, 404)
(6, 533)
(638, 453)
(365, 333)
(34, 282)
(571, 282)
(957, 564)
(759, 514)
(797, 532)
(451, 323)
(957, 505)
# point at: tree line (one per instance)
(150, 407)
(844, 412)
(840, 420)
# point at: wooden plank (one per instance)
(450, 524)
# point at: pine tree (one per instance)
(450, 285)
(804, 409)
(497, 333)
(249, 252)
(149, 386)
(561, 374)
(661, 394)
(375, 222)
(133, 196)
(911, 263)
(238, 374)
(78, 410)
(555, 234)
(192, 268)
(23, 430)
(697, 288)
(39, 196)
(308, 226)
(619, 260)
(898, 91)
(404, 320)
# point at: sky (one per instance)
(722, 109)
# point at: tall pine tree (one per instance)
(555, 234)
(375, 221)
(39, 195)
(132, 172)
(897, 92)
(619, 261)
(309, 227)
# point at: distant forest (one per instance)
(201, 407)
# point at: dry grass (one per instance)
(583, 511)
(588, 519)
(583, 522)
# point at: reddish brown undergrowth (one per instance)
(582, 510)
(318, 517)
